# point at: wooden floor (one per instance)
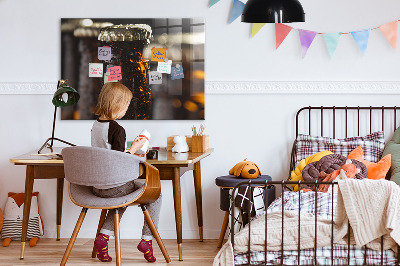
(50, 252)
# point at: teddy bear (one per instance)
(13, 215)
(180, 144)
(245, 169)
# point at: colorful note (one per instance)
(96, 70)
(158, 54)
(155, 77)
(104, 53)
(115, 73)
(164, 67)
(177, 72)
(106, 75)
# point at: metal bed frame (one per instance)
(284, 184)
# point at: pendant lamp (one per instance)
(64, 96)
(273, 11)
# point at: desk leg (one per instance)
(199, 204)
(27, 206)
(60, 190)
(176, 182)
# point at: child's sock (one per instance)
(146, 247)
(101, 245)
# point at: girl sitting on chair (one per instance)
(113, 102)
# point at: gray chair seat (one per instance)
(85, 167)
(83, 196)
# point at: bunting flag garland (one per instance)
(389, 30)
(306, 39)
(256, 27)
(361, 38)
(332, 41)
(281, 31)
(237, 9)
(213, 2)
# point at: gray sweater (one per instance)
(110, 135)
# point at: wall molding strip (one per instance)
(250, 87)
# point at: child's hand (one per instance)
(137, 144)
(143, 155)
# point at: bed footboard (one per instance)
(309, 256)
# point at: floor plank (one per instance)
(50, 252)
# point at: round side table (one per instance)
(226, 183)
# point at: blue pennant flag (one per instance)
(361, 38)
(213, 2)
(332, 41)
(237, 9)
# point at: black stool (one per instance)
(226, 183)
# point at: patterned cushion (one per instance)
(372, 144)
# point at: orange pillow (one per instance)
(375, 170)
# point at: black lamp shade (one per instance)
(65, 96)
(273, 11)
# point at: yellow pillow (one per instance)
(296, 174)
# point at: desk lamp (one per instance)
(64, 96)
(273, 11)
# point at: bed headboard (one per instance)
(344, 121)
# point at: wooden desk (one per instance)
(169, 165)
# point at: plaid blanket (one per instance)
(322, 204)
(324, 257)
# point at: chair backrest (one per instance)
(92, 166)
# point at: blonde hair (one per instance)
(113, 98)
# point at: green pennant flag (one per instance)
(332, 41)
(213, 2)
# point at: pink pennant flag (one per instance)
(306, 39)
(281, 31)
(389, 30)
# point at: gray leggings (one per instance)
(154, 208)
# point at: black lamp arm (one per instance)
(51, 147)
(52, 136)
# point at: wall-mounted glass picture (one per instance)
(161, 60)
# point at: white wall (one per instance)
(259, 127)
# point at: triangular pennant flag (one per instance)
(390, 32)
(256, 28)
(361, 37)
(332, 41)
(213, 2)
(237, 9)
(281, 31)
(306, 39)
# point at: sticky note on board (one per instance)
(115, 73)
(177, 72)
(155, 77)
(164, 67)
(158, 54)
(104, 53)
(95, 70)
(106, 78)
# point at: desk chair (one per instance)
(85, 167)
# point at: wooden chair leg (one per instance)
(101, 222)
(154, 230)
(223, 229)
(117, 238)
(73, 237)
